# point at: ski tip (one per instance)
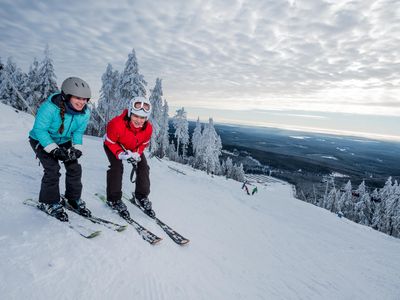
(92, 235)
(156, 241)
(122, 228)
(184, 242)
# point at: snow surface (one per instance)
(266, 246)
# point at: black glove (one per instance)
(74, 153)
(60, 154)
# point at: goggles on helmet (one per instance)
(140, 105)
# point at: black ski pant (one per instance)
(114, 177)
(50, 187)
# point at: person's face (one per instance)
(137, 121)
(78, 103)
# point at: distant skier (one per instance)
(244, 186)
(57, 136)
(126, 138)
(255, 190)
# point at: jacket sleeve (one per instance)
(43, 121)
(112, 137)
(77, 135)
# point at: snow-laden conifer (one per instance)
(157, 118)
(210, 149)
(131, 82)
(107, 104)
(47, 77)
(181, 126)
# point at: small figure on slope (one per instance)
(255, 190)
(244, 187)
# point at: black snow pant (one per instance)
(114, 177)
(50, 188)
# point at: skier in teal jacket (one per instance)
(57, 136)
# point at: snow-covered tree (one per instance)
(332, 201)
(196, 136)
(108, 94)
(395, 218)
(380, 217)
(7, 93)
(346, 201)
(210, 149)
(47, 78)
(181, 126)
(389, 206)
(229, 168)
(34, 98)
(363, 207)
(164, 132)
(196, 145)
(156, 117)
(238, 173)
(14, 87)
(131, 82)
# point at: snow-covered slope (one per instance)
(266, 246)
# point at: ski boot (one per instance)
(55, 210)
(120, 207)
(146, 205)
(80, 206)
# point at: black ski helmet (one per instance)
(76, 87)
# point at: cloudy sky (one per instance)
(303, 61)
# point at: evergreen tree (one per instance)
(131, 82)
(238, 173)
(396, 212)
(156, 118)
(164, 133)
(196, 136)
(47, 78)
(210, 149)
(333, 200)
(34, 97)
(96, 126)
(363, 207)
(380, 217)
(181, 126)
(7, 94)
(346, 202)
(196, 145)
(106, 105)
(14, 87)
(229, 168)
(390, 202)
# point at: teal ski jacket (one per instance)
(48, 121)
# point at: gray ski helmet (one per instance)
(76, 87)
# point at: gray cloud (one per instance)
(224, 53)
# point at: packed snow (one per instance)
(266, 246)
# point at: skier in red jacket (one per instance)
(126, 138)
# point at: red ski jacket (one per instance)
(120, 131)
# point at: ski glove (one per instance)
(60, 154)
(125, 155)
(74, 153)
(136, 156)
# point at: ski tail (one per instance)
(94, 219)
(78, 228)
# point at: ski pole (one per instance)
(131, 161)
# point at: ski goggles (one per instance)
(139, 105)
